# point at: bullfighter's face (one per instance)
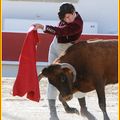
(69, 17)
(61, 78)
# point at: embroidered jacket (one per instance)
(67, 32)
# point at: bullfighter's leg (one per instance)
(52, 94)
(54, 51)
(51, 90)
(84, 111)
(100, 89)
(67, 108)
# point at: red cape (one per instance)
(27, 80)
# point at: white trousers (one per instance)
(54, 51)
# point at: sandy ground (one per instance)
(16, 108)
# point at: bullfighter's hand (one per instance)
(38, 26)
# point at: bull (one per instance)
(85, 66)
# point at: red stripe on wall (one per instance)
(12, 44)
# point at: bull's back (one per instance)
(96, 58)
(104, 60)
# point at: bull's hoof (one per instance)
(88, 115)
(54, 118)
(72, 110)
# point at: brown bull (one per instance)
(84, 67)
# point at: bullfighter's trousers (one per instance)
(54, 51)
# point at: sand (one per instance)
(20, 108)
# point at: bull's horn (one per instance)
(67, 65)
(40, 76)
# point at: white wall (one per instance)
(104, 12)
(22, 25)
(10, 68)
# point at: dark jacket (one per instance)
(67, 32)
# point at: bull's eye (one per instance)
(63, 78)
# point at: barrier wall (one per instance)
(12, 44)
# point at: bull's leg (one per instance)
(84, 111)
(100, 89)
(66, 106)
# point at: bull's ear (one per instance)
(40, 76)
(50, 70)
(45, 72)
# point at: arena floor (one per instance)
(16, 108)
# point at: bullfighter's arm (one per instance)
(70, 29)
